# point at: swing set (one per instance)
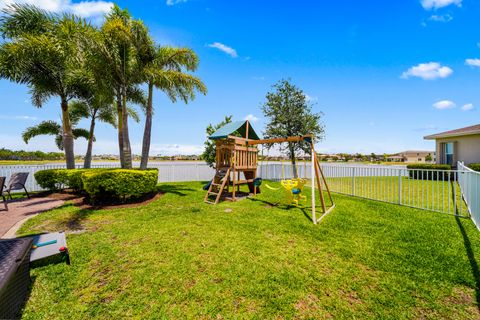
(237, 152)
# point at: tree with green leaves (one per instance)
(209, 154)
(289, 113)
(167, 71)
(114, 57)
(41, 50)
(55, 129)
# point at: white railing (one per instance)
(469, 181)
(436, 190)
(167, 172)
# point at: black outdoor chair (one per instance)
(17, 182)
(2, 186)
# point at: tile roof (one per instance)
(475, 129)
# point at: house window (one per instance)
(449, 153)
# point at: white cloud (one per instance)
(174, 2)
(85, 9)
(468, 107)
(258, 78)
(310, 98)
(437, 4)
(441, 18)
(428, 71)
(473, 62)
(224, 48)
(251, 118)
(444, 104)
(18, 118)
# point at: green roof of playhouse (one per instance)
(232, 128)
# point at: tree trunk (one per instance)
(67, 135)
(119, 129)
(127, 151)
(293, 160)
(88, 156)
(147, 134)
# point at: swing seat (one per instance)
(257, 182)
(207, 185)
(296, 191)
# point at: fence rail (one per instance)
(469, 182)
(453, 191)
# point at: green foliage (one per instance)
(428, 157)
(289, 113)
(119, 184)
(51, 179)
(209, 153)
(6, 154)
(474, 166)
(425, 171)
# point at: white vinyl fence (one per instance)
(469, 181)
(167, 172)
(436, 190)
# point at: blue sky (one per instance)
(384, 73)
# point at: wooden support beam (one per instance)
(279, 140)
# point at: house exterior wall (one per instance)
(466, 149)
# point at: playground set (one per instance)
(237, 153)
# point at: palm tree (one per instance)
(166, 72)
(98, 108)
(114, 59)
(55, 129)
(41, 50)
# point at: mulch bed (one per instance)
(82, 202)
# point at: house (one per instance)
(413, 156)
(457, 145)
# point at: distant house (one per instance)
(458, 145)
(413, 156)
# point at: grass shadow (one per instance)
(471, 258)
(178, 190)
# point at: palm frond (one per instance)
(43, 128)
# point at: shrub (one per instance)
(119, 183)
(474, 166)
(52, 179)
(425, 171)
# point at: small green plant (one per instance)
(474, 166)
(52, 179)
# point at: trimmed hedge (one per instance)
(101, 184)
(119, 183)
(474, 166)
(420, 171)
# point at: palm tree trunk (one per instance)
(120, 130)
(67, 135)
(147, 134)
(127, 151)
(293, 160)
(88, 156)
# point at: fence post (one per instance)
(353, 181)
(400, 186)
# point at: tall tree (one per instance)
(289, 113)
(167, 72)
(98, 108)
(55, 129)
(209, 154)
(41, 50)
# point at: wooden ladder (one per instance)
(218, 185)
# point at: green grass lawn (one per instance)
(442, 196)
(178, 258)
